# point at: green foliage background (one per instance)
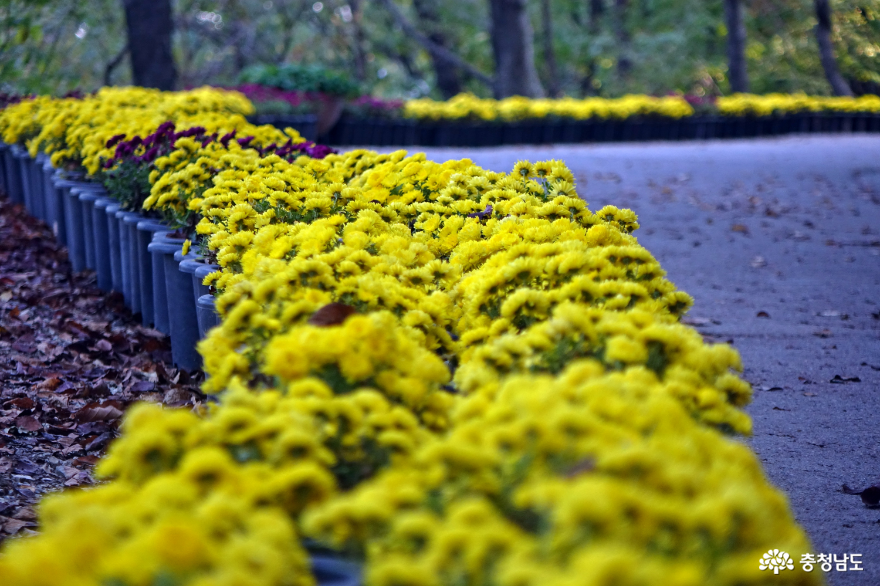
(53, 46)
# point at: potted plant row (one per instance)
(387, 131)
(132, 252)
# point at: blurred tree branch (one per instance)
(432, 47)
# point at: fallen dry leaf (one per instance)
(13, 526)
(109, 411)
(839, 380)
(28, 423)
(870, 496)
(332, 314)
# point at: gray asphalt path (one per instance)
(778, 240)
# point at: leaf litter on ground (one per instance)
(72, 360)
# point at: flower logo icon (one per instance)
(776, 560)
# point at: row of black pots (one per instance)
(140, 258)
(381, 132)
(132, 254)
(306, 125)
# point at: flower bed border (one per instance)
(351, 131)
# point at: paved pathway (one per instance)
(779, 242)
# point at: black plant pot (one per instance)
(206, 315)
(199, 275)
(157, 252)
(307, 126)
(115, 247)
(13, 173)
(50, 197)
(445, 135)
(127, 258)
(35, 167)
(73, 222)
(129, 224)
(146, 229)
(340, 134)
(404, 133)
(36, 183)
(359, 132)
(21, 162)
(426, 134)
(24, 166)
(87, 200)
(4, 182)
(603, 130)
(179, 318)
(61, 193)
(860, 122)
(330, 571)
(189, 266)
(182, 317)
(551, 132)
(100, 229)
(674, 129)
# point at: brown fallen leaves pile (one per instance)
(72, 359)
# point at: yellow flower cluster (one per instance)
(208, 520)
(769, 104)
(75, 131)
(577, 478)
(470, 107)
(696, 374)
(463, 376)
(465, 107)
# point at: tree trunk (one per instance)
(512, 46)
(359, 41)
(549, 53)
(624, 61)
(597, 11)
(448, 78)
(432, 47)
(826, 50)
(736, 46)
(149, 42)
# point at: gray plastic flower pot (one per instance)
(4, 183)
(330, 571)
(125, 256)
(62, 188)
(157, 250)
(35, 166)
(115, 247)
(13, 174)
(21, 159)
(199, 275)
(190, 266)
(207, 316)
(50, 197)
(73, 222)
(182, 320)
(146, 229)
(35, 182)
(87, 200)
(100, 229)
(129, 259)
